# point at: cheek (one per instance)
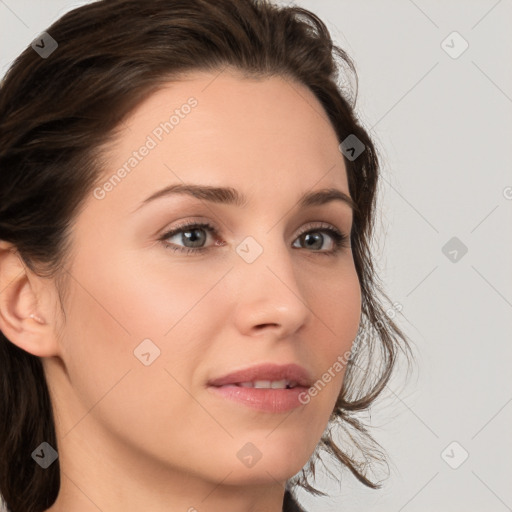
(339, 307)
(142, 296)
(339, 310)
(178, 310)
(108, 318)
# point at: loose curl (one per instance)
(57, 115)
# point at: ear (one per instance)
(26, 317)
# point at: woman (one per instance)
(205, 377)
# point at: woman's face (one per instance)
(149, 325)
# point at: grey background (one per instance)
(443, 126)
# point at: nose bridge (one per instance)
(265, 252)
(269, 292)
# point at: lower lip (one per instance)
(268, 400)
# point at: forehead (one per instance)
(265, 135)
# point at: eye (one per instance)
(189, 232)
(313, 237)
(193, 235)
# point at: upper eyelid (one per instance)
(213, 229)
(206, 224)
(341, 216)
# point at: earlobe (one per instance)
(21, 297)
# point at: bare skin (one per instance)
(133, 437)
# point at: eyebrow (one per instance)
(231, 196)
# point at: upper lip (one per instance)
(266, 371)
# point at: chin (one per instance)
(266, 460)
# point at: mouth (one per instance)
(266, 387)
(268, 384)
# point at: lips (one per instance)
(293, 375)
(267, 388)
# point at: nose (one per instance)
(269, 295)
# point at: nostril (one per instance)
(262, 326)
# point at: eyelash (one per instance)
(340, 239)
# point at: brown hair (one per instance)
(58, 112)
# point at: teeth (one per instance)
(268, 384)
(262, 384)
(278, 384)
